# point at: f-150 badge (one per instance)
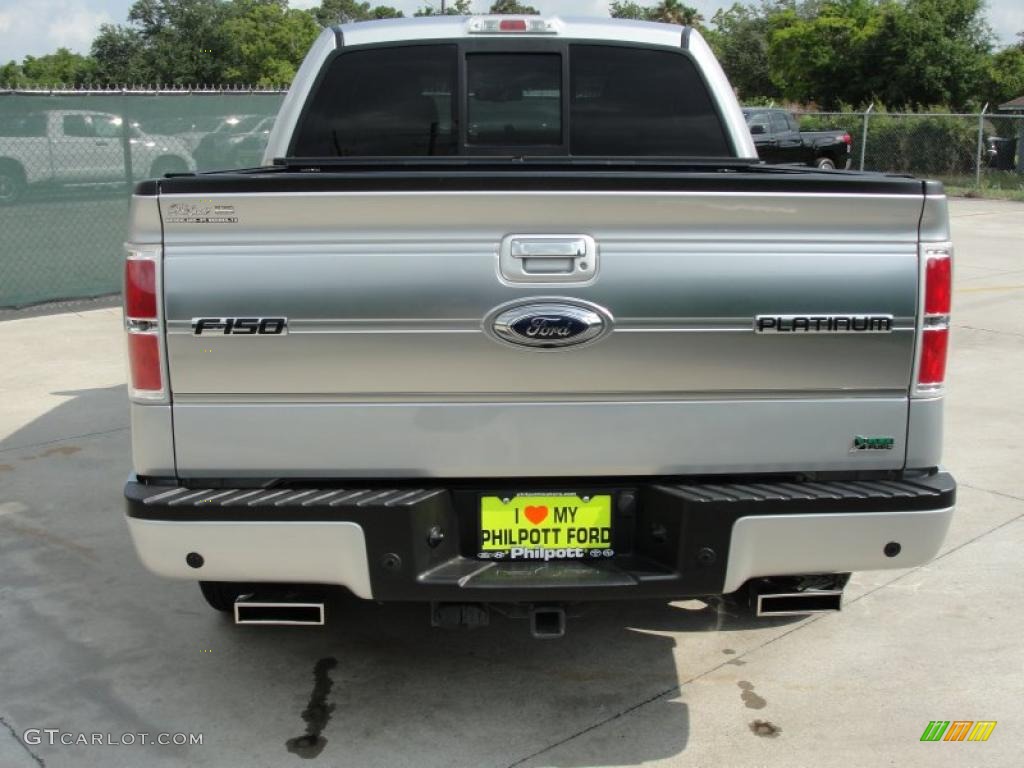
(823, 324)
(240, 326)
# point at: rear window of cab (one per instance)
(579, 99)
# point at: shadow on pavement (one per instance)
(383, 684)
(378, 686)
(89, 411)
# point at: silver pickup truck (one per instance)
(514, 316)
(76, 147)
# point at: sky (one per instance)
(38, 27)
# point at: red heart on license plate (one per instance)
(536, 515)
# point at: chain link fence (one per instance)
(970, 153)
(68, 160)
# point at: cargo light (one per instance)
(142, 323)
(938, 298)
(492, 25)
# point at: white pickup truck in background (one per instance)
(514, 315)
(72, 147)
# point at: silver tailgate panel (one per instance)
(533, 439)
(386, 369)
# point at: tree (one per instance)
(184, 41)
(668, 11)
(343, 11)
(622, 9)
(386, 12)
(906, 53)
(205, 42)
(454, 8)
(674, 12)
(818, 57)
(60, 68)
(1004, 78)
(929, 52)
(266, 43)
(740, 39)
(11, 75)
(513, 7)
(120, 55)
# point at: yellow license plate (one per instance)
(550, 527)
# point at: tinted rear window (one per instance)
(388, 101)
(514, 98)
(405, 101)
(636, 102)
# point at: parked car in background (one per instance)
(778, 139)
(238, 141)
(191, 129)
(66, 147)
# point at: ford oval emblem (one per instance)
(550, 324)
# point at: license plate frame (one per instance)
(592, 524)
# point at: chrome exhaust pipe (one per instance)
(799, 603)
(251, 609)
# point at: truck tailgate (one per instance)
(388, 366)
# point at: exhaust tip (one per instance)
(799, 603)
(547, 623)
(250, 610)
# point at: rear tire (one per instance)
(12, 183)
(825, 164)
(221, 595)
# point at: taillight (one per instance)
(142, 322)
(934, 350)
(847, 139)
(938, 282)
(937, 276)
(144, 360)
(140, 289)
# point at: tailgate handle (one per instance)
(548, 258)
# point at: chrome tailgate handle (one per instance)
(548, 258)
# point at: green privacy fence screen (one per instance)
(68, 160)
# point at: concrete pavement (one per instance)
(90, 642)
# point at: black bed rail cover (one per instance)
(541, 174)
